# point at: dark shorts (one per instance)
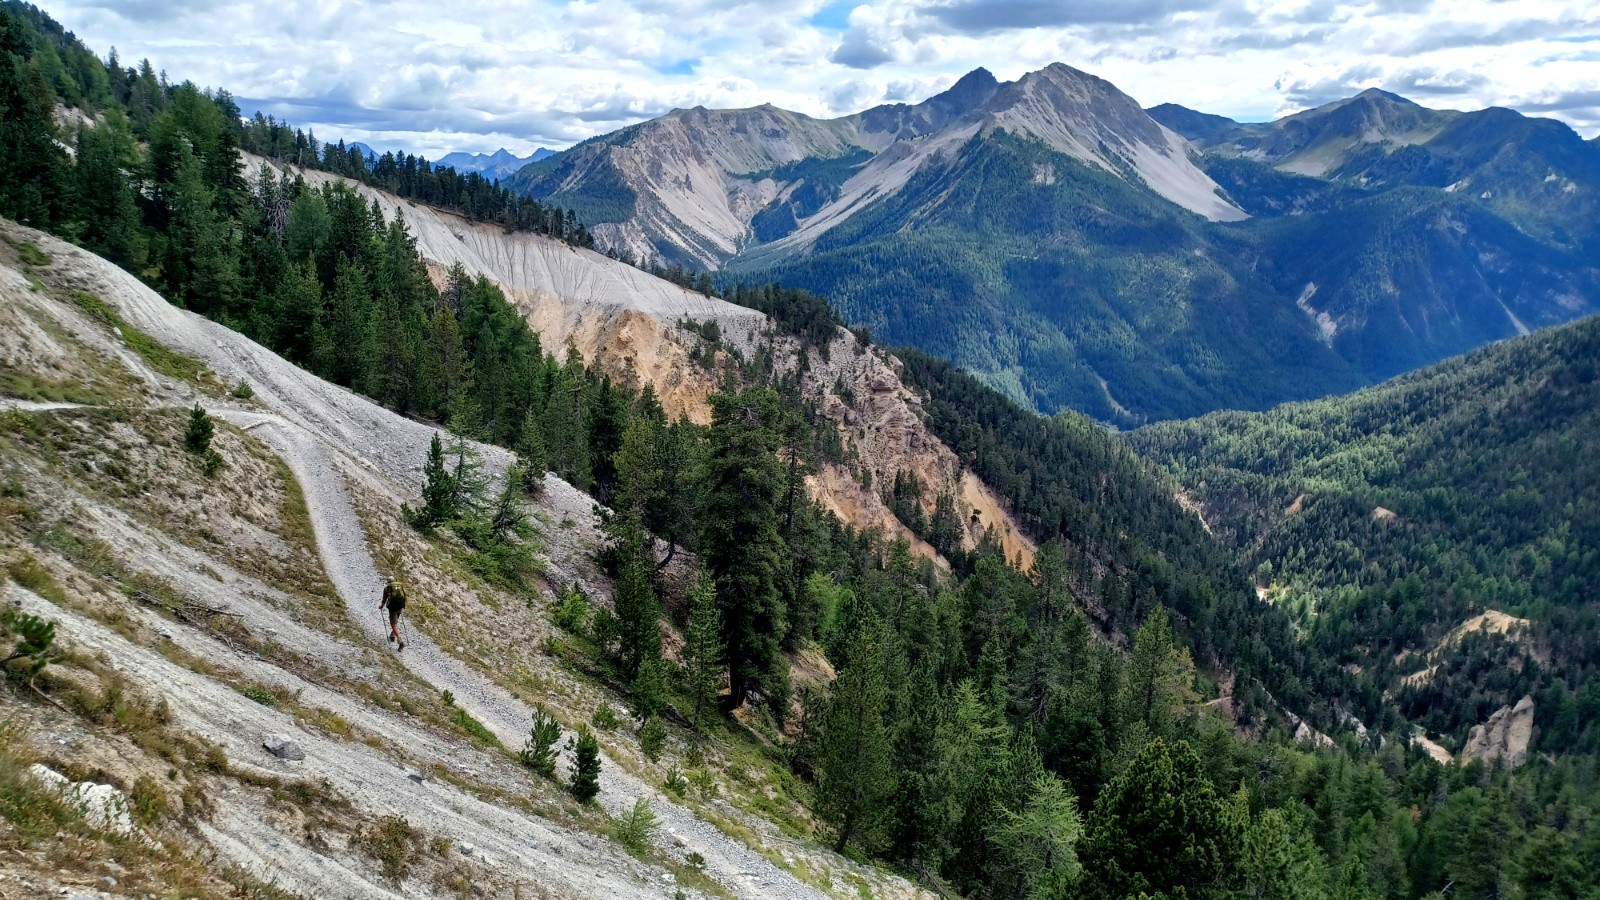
(394, 613)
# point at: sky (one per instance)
(476, 75)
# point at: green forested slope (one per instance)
(1489, 464)
(1082, 291)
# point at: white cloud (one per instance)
(475, 75)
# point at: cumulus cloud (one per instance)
(476, 74)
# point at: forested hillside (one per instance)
(982, 733)
(1389, 517)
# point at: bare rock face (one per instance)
(103, 805)
(1504, 737)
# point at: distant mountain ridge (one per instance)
(1077, 251)
(691, 184)
(500, 164)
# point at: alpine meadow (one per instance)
(1004, 492)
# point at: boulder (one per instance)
(283, 748)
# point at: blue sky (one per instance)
(476, 75)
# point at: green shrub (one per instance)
(638, 827)
(392, 841)
(572, 610)
(260, 695)
(704, 783)
(31, 255)
(605, 717)
(31, 574)
(155, 354)
(652, 738)
(244, 391)
(473, 727)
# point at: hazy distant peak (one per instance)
(1381, 94)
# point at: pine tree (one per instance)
(638, 612)
(107, 214)
(539, 754)
(352, 328)
(438, 490)
(702, 649)
(1279, 858)
(532, 453)
(564, 428)
(741, 543)
(1160, 828)
(585, 765)
(33, 167)
(197, 434)
(652, 738)
(855, 775)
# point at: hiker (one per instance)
(394, 600)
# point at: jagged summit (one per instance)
(971, 89)
(704, 185)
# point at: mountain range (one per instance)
(1079, 252)
(500, 164)
(494, 166)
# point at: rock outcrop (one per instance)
(1504, 737)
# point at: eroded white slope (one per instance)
(1071, 112)
(1089, 119)
(341, 447)
(625, 320)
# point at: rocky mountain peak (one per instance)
(970, 90)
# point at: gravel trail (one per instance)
(327, 434)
